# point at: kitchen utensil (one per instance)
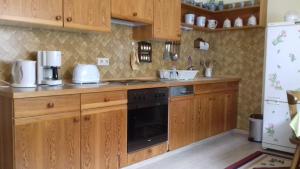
(252, 21)
(166, 55)
(227, 23)
(212, 24)
(24, 74)
(221, 6)
(190, 19)
(201, 20)
(208, 72)
(134, 58)
(174, 55)
(49, 63)
(238, 22)
(86, 74)
(242, 4)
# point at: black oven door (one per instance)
(147, 126)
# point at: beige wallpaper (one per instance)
(238, 53)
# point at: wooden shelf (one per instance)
(201, 29)
(254, 7)
(258, 10)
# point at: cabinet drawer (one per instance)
(38, 106)
(216, 87)
(103, 99)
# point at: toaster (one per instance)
(84, 74)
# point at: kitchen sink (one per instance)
(178, 74)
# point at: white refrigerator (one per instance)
(281, 73)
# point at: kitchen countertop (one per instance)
(90, 88)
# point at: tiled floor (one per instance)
(216, 153)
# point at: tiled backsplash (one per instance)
(238, 53)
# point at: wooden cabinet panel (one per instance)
(133, 10)
(181, 122)
(46, 105)
(103, 99)
(167, 22)
(202, 115)
(44, 12)
(48, 142)
(104, 140)
(92, 15)
(231, 102)
(217, 119)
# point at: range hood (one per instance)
(126, 23)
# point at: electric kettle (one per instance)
(24, 74)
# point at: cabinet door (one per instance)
(104, 140)
(231, 102)
(49, 142)
(202, 115)
(181, 123)
(44, 12)
(217, 119)
(133, 10)
(90, 15)
(167, 15)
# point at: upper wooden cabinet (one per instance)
(93, 15)
(133, 10)
(44, 12)
(89, 15)
(166, 23)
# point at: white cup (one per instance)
(190, 19)
(208, 72)
(212, 24)
(24, 72)
(201, 20)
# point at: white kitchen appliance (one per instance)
(282, 73)
(49, 63)
(24, 74)
(85, 74)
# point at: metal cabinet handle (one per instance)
(69, 19)
(58, 18)
(135, 14)
(50, 105)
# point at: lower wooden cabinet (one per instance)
(104, 139)
(181, 122)
(231, 102)
(48, 142)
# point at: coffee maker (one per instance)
(48, 65)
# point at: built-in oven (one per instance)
(147, 118)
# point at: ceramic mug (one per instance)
(190, 19)
(238, 22)
(201, 20)
(212, 24)
(227, 23)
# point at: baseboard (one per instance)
(240, 131)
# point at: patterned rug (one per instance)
(262, 160)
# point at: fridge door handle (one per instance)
(273, 102)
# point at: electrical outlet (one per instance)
(103, 61)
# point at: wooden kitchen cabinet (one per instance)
(91, 15)
(166, 24)
(104, 139)
(48, 142)
(133, 10)
(181, 122)
(88, 15)
(42, 12)
(231, 102)
(217, 113)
